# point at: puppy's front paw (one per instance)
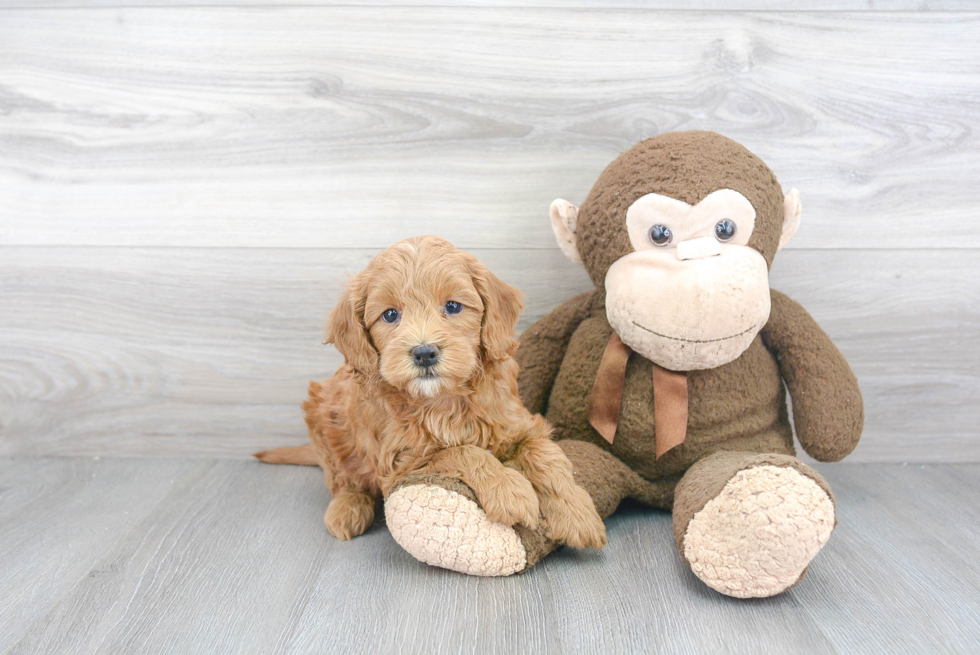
(574, 520)
(589, 532)
(512, 500)
(349, 515)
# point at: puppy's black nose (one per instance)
(425, 355)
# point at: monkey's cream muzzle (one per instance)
(696, 306)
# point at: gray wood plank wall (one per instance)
(182, 190)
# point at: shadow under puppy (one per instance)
(429, 386)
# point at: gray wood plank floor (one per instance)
(224, 556)
(700, 5)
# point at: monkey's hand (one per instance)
(827, 408)
(542, 349)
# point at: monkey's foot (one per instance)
(439, 522)
(757, 536)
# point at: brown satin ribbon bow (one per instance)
(669, 398)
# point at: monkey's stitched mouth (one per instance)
(693, 340)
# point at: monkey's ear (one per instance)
(792, 211)
(346, 330)
(564, 221)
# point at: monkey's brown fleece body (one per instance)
(737, 419)
(740, 406)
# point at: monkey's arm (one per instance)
(543, 347)
(827, 408)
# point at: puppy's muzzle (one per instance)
(425, 356)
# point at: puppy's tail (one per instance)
(304, 455)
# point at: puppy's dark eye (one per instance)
(660, 235)
(725, 229)
(390, 316)
(453, 307)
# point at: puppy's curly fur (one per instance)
(386, 414)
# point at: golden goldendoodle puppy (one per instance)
(429, 385)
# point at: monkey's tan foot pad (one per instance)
(444, 528)
(756, 538)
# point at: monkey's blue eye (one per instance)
(390, 316)
(660, 235)
(725, 229)
(453, 307)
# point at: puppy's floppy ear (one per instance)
(502, 306)
(346, 330)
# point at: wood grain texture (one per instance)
(139, 351)
(183, 189)
(237, 559)
(354, 127)
(60, 517)
(700, 5)
(165, 351)
(907, 322)
(908, 536)
(211, 571)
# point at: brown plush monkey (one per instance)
(665, 383)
